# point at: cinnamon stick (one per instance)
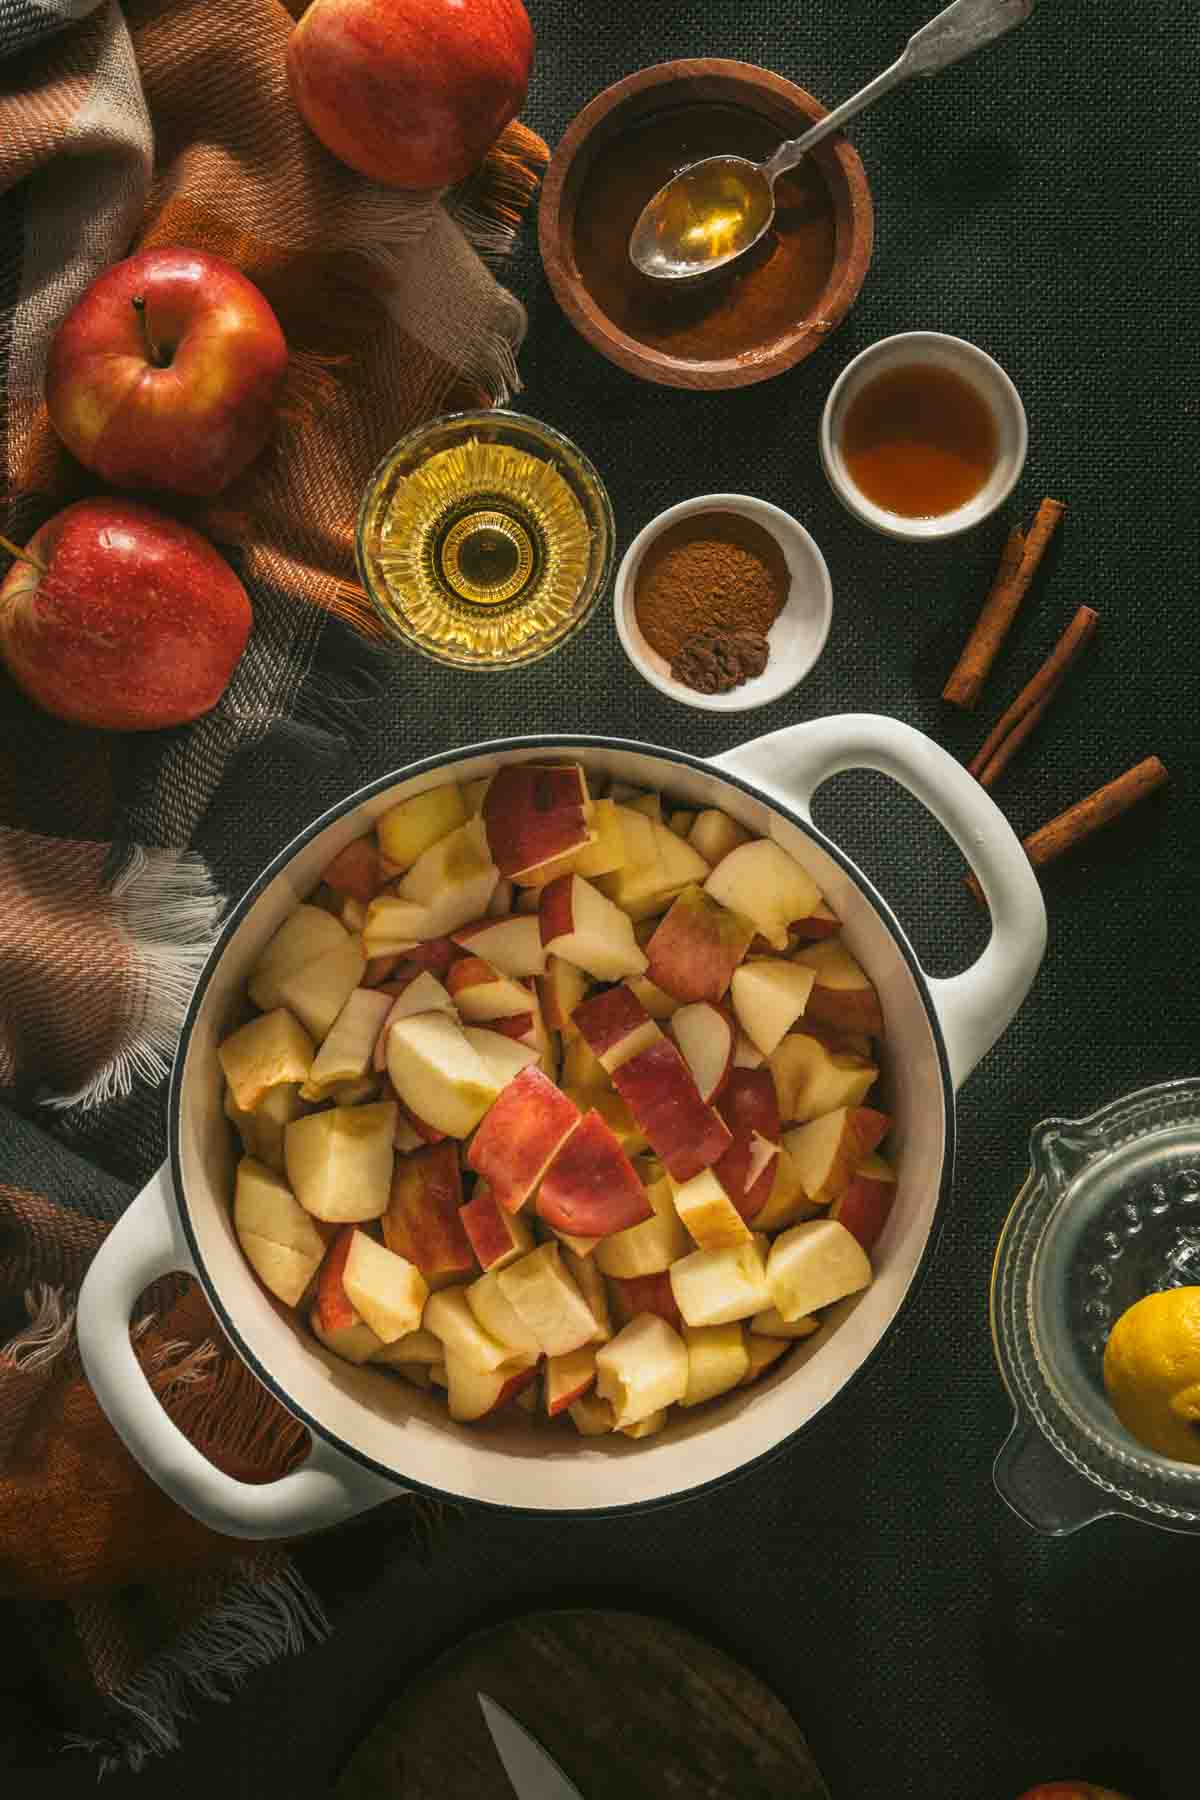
(1016, 724)
(1018, 565)
(1073, 827)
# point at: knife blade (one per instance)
(532, 1771)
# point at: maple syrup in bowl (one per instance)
(923, 436)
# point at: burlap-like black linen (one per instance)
(1040, 201)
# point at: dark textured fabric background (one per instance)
(1039, 200)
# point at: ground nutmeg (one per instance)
(708, 575)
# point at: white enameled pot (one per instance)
(373, 1436)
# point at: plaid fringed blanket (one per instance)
(122, 126)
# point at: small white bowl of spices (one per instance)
(723, 602)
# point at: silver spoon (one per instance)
(718, 208)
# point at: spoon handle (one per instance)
(965, 26)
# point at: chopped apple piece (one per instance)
(333, 1308)
(697, 948)
(450, 1318)
(745, 1054)
(414, 1347)
(648, 1248)
(280, 1241)
(472, 795)
(500, 1319)
(814, 1264)
(534, 812)
(481, 993)
(386, 1290)
(591, 1416)
(616, 1026)
(614, 1112)
(811, 1078)
(681, 821)
(592, 1286)
(842, 995)
(353, 914)
(659, 1004)
(636, 1294)
(606, 851)
(496, 1236)
(503, 1056)
(717, 1361)
(579, 924)
(423, 1221)
(864, 1205)
(452, 880)
(394, 927)
(715, 1287)
(261, 1131)
(501, 903)
(437, 1074)
(769, 995)
(714, 834)
(548, 1300)
(339, 1162)
(348, 1051)
(473, 1393)
(568, 1379)
(305, 934)
(354, 871)
(705, 1034)
(419, 992)
(512, 945)
(273, 1050)
(639, 801)
(435, 954)
(750, 1110)
(772, 1324)
(637, 833)
(418, 1375)
(787, 1202)
(354, 1343)
(763, 1351)
(658, 1088)
(827, 1150)
(407, 830)
(643, 888)
(643, 1369)
(647, 1427)
(317, 992)
(591, 1188)
(822, 922)
(582, 1070)
(560, 990)
(711, 1218)
(766, 885)
(521, 1136)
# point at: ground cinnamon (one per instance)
(1072, 827)
(709, 573)
(1018, 565)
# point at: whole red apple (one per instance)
(166, 374)
(123, 619)
(410, 92)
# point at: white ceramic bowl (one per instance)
(372, 1436)
(796, 638)
(985, 376)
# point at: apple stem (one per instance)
(152, 350)
(22, 555)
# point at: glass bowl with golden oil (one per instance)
(485, 540)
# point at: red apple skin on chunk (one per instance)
(820, 923)
(683, 1132)
(696, 949)
(634, 1294)
(615, 1026)
(423, 1221)
(355, 871)
(749, 1106)
(591, 1189)
(520, 1135)
(496, 1236)
(533, 813)
(863, 1207)
(435, 954)
(333, 1307)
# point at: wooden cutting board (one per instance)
(628, 1706)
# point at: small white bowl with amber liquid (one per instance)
(484, 540)
(923, 436)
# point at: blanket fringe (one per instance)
(47, 1334)
(165, 903)
(255, 1623)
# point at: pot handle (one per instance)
(976, 1006)
(145, 1244)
